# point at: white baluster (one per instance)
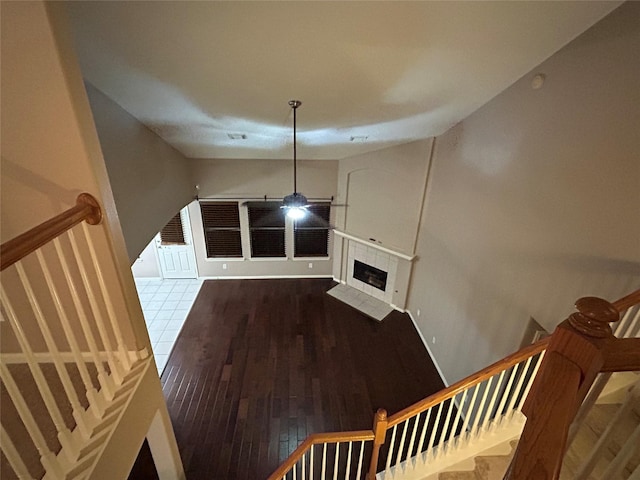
(348, 469)
(433, 433)
(530, 381)
(443, 433)
(487, 416)
(335, 463)
(114, 365)
(479, 413)
(65, 378)
(113, 318)
(311, 462)
(71, 340)
(456, 422)
(632, 326)
(103, 377)
(518, 389)
(391, 445)
(304, 464)
(617, 465)
(324, 462)
(47, 457)
(11, 452)
(423, 433)
(413, 436)
(64, 435)
(472, 404)
(618, 328)
(505, 395)
(361, 456)
(401, 445)
(293, 470)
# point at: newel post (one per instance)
(380, 431)
(574, 357)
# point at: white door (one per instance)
(177, 258)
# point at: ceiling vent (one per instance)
(237, 136)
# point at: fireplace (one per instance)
(370, 275)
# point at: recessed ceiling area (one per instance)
(213, 78)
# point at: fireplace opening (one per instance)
(370, 275)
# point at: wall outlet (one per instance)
(224, 266)
(433, 340)
(310, 265)
(418, 312)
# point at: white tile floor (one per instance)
(367, 304)
(165, 304)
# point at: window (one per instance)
(311, 233)
(172, 233)
(266, 227)
(221, 223)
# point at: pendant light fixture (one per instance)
(295, 205)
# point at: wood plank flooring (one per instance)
(261, 364)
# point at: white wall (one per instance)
(146, 265)
(245, 179)
(533, 202)
(150, 180)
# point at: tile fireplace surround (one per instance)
(378, 257)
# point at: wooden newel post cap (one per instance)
(594, 316)
(381, 414)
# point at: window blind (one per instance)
(311, 233)
(266, 227)
(221, 223)
(172, 233)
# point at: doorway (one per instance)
(174, 243)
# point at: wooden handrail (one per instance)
(86, 208)
(317, 438)
(580, 348)
(468, 382)
(627, 301)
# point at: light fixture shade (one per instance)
(294, 200)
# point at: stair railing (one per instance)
(455, 417)
(482, 404)
(580, 348)
(60, 333)
(477, 405)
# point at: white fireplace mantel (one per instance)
(369, 243)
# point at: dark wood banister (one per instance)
(580, 348)
(86, 208)
(314, 439)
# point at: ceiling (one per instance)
(383, 72)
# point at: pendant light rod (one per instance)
(294, 105)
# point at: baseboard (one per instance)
(401, 310)
(260, 277)
(426, 344)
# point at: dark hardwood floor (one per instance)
(261, 364)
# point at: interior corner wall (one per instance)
(533, 202)
(150, 179)
(383, 190)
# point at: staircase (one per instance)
(486, 466)
(78, 394)
(538, 396)
(611, 423)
